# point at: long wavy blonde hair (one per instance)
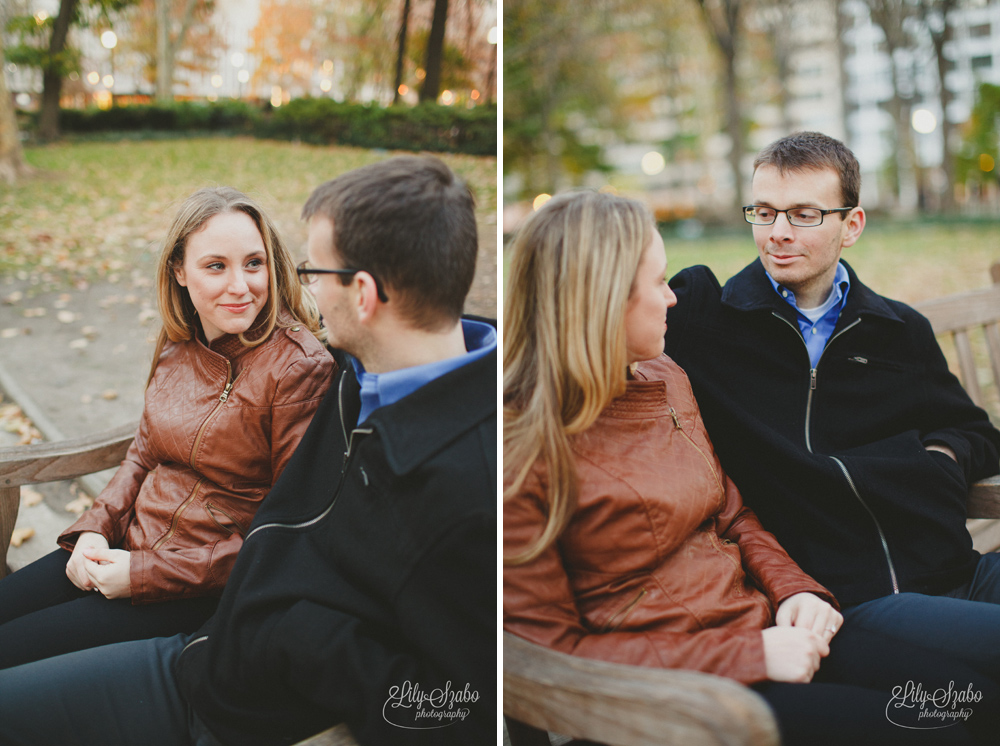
(564, 359)
(285, 294)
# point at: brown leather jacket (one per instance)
(208, 448)
(661, 564)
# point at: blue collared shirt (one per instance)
(380, 389)
(818, 325)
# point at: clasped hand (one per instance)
(95, 567)
(804, 626)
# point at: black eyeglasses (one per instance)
(802, 217)
(309, 274)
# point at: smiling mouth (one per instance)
(236, 307)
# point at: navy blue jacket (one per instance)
(832, 458)
(367, 580)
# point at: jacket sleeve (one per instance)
(951, 418)
(111, 513)
(299, 392)
(764, 559)
(186, 572)
(538, 605)
(446, 633)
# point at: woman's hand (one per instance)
(792, 653)
(109, 571)
(809, 611)
(76, 567)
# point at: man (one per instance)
(833, 410)
(365, 590)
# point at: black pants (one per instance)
(867, 691)
(42, 614)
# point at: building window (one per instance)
(977, 32)
(983, 62)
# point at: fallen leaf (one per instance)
(78, 344)
(110, 395)
(8, 333)
(13, 298)
(66, 317)
(32, 312)
(86, 399)
(90, 332)
(79, 505)
(20, 536)
(147, 314)
(30, 496)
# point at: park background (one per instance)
(103, 133)
(669, 100)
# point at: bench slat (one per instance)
(65, 459)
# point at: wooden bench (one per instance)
(549, 692)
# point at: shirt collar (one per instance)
(841, 284)
(381, 389)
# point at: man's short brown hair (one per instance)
(411, 223)
(803, 151)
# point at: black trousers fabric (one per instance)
(868, 691)
(42, 614)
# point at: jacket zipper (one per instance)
(222, 400)
(237, 526)
(194, 452)
(347, 455)
(177, 515)
(618, 618)
(678, 426)
(843, 468)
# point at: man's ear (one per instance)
(366, 295)
(855, 225)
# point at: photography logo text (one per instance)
(913, 706)
(410, 706)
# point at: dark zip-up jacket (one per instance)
(832, 458)
(367, 579)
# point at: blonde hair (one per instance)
(285, 293)
(570, 279)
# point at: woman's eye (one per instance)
(216, 266)
(255, 263)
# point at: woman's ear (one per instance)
(179, 276)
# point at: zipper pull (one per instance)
(677, 422)
(812, 379)
(225, 394)
(858, 359)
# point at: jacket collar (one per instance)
(750, 290)
(419, 425)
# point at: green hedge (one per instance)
(319, 121)
(424, 127)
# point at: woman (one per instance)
(238, 371)
(623, 538)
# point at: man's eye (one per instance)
(764, 213)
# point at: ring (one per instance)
(832, 629)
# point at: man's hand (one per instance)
(75, 568)
(809, 611)
(943, 449)
(109, 571)
(792, 653)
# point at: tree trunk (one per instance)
(167, 48)
(12, 163)
(435, 52)
(401, 50)
(939, 38)
(48, 123)
(724, 27)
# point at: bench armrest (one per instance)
(984, 499)
(629, 705)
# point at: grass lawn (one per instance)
(97, 211)
(910, 262)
